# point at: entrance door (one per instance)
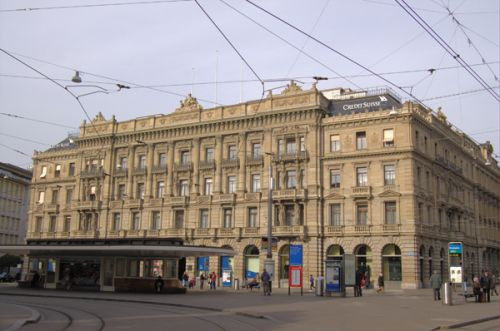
(252, 263)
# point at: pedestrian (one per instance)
(185, 279)
(360, 275)
(476, 285)
(159, 284)
(311, 283)
(380, 283)
(213, 278)
(202, 281)
(436, 283)
(493, 285)
(485, 286)
(265, 278)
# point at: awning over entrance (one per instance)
(115, 250)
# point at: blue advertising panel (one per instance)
(202, 263)
(295, 255)
(455, 249)
(226, 270)
(332, 278)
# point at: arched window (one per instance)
(252, 262)
(334, 252)
(363, 255)
(391, 262)
(284, 261)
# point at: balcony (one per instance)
(251, 232)
(63, 234)
(92, 173)
(134, 203)
(254, 160)
(362, 229)
(183, 166)
(134, 233)
(292, 193)
(88, 205)
(139, 171)
(120, 172)
(204, 199)
(204, 233)
(33, 235)
(229, 198)
(152, 233)
(228, 232)
(49, 235)
(116, 204)
(334, 230)
(38, 207)
(206, 164)
(253, 196)
(52, 208)
(173, 233)
(86, 234)
(394, 228)
(116, 234)
(182, 200)
(361, 191)
(289, 230)
(159, 169)
(228, 163)
(290, 156)
(156, 202)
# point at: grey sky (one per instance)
(175, 43)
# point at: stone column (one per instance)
(242, 155)
(170, 169)
(130, 169)
(218, 165)
(195, 152)
(149, 171)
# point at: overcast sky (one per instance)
(161, 44)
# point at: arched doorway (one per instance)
(363, 255)
(334, 252)
(391, 263)
(284, 263)
(226, 269)
(252, 262)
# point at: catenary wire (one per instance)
(37, 120)
(445, 46)
(457, 94)
(28, 9)
(23, 139)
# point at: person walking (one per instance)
(213, 278)
(311, 283)
(202, 280)
(360, 275)
(159, 283)
(493, 285)
(380, 283)
(265, 278)
(436, 283)
(185, 279)
(485, 286)
(476, 285)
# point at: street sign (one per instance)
(295, 276)
(295, 255)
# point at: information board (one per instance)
(332, 278)
(226, 278)
(456, 274)
(295, 276)
(295, 255)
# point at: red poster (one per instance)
(295, 276)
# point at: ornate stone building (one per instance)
(359, 173)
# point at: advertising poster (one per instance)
(296, 255)
(226, 278)
(295, 277)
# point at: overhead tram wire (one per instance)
(457, 94)
(28, 9)
(346, 78)
(336, 51)
(446, 46)
(23, 139)
(15, 150)
(37, 120)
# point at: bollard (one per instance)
(319, 287)
(237, 284)
(447, 294)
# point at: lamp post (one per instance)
(269, 262)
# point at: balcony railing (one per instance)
(134, 203)
(225, 198)
(362, 228)
(183, 166)
(93, 204)
(52, 208)
(120, 172)
(85, 234)
(292, 193)
(173, 233)
(204, 232)
(361, 191)
(290, 156)
(252, 231)
(334, 229)
(228, 232)
(159, 168)
(226, 163)
(181, 200)
(252, 196)
(92, 172)
(207, 164)
(139, 171)
(390, 227)
(289, 230)
(254, 160)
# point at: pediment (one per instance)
(389, 193)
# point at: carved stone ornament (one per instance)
(189, 104)
(440, 115)
(291, 88)
(99, 118)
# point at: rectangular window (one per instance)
(231, 184)
(228, 218)
(208, 186)
(123, 163)
(179, 219)
(361, 176)
(291, 179)
(55, 196)
(93, 193)
(162, 159)
(289, 214)
(155, 220)
(57, 171)
(361, 214)
(209, 154)
(52, 224)
(361, 140)
(389, 174)
(184, 157)
(420, 212)
(136, 221)
(231, 152)
(116, 221)
(302, 144)
(335, 214)
(38, 224)
(67, 224)
(334, 178)
(44, 172)
(390, 212)
(160, 189)
(121, 192)
(183, 188)
(69, 196)
(256, 150)
(71, 169)
(291, 146)
(255, 183)
(41, 197)
(252, 217)
(142, 162)
(140, 191)
(334, 143)
(281, 146)
(203, 218)
(388, 137)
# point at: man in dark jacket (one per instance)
(485, 285)
(436, 283)
(265, 278)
